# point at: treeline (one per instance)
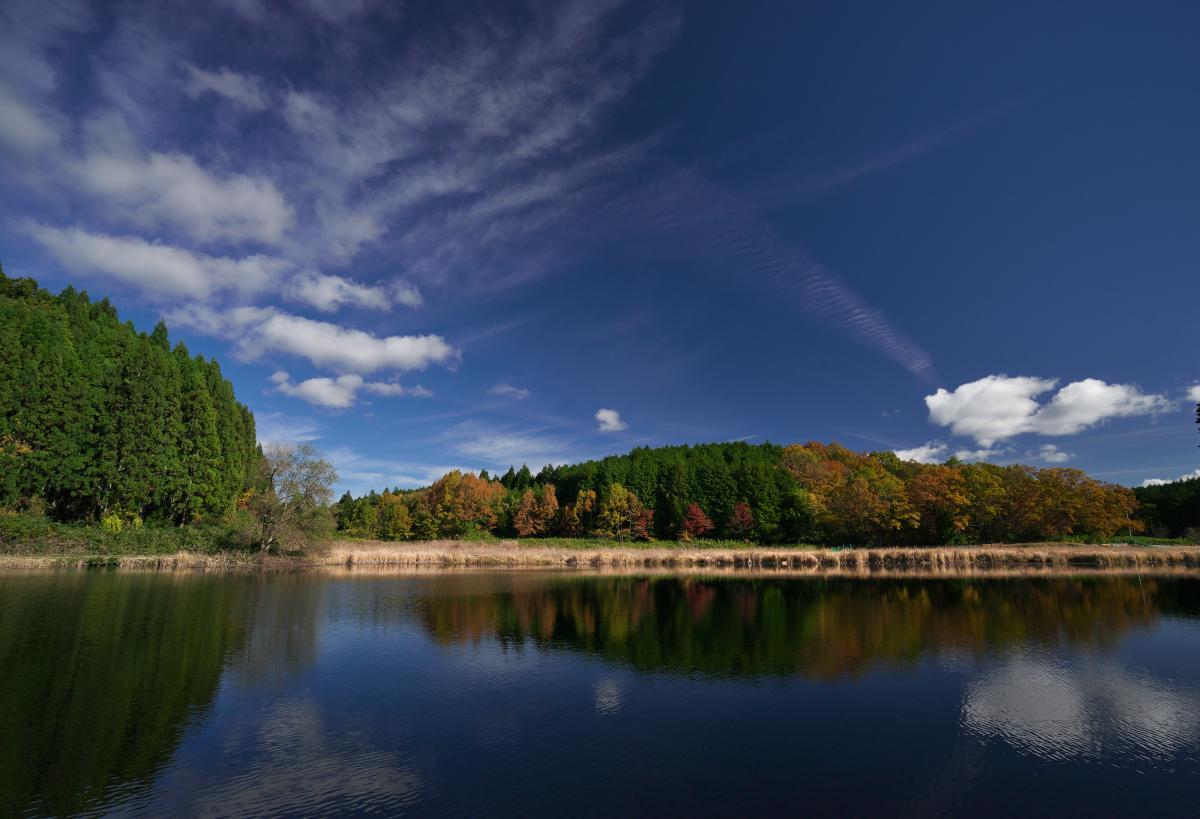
(813, 493)
(101, 422)
(1170, 509)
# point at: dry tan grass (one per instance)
(962, 560)
(372, 556)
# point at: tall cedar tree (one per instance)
(98, 419)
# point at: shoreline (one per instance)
(379, 557)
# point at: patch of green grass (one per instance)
(23, 534)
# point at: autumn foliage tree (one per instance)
(695, 523)
(621, 515)
(817, 493)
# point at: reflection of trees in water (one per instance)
(100, 674)
(822, 628)
(282, 628)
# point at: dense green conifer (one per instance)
(97, 419)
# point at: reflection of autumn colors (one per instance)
(816, 628)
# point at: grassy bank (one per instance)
(380, 556)
(33, 536)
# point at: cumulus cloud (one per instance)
(997, 407)
(1193, 393)
(340, 392)
(157, 269)
(509, 391)
(609, 420)
(329, 293)
(1163, 481)
(244, 89)
(1051, 454)
(172, 189)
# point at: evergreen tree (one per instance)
(96, 418)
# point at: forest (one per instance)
(810, 493)
(101, 423)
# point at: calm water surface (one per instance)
(549, 694)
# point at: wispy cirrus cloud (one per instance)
(243, 89)
(505, 390)
(157, 269)
(258, 331)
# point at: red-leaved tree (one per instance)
(695, 523)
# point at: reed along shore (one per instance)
(451, 554)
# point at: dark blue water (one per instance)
(549, 694)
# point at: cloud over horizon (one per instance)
(998, 407)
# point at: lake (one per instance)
(535, 693)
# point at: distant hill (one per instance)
(97, 419)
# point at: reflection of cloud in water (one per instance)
(608, 697)
(1061, 712)
(303, 768)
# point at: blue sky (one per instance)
(436, 235)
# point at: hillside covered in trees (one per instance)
(818, 493)
(99, 421)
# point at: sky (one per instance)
(427, 236)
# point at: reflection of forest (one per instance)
(820, 628)
(102, 671)
(100, 674)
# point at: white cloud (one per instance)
(329, 293)
(930, 453)
(1161, 481)
(171, 189)
(509, 391)
(610, 420)
(989, 409)
(406, 293)
(244, 89)
(158, 269)
(340, 392)
(21, 128)
(1051, 454)
(973, 455)
(261, 330)
(1193, 393)
(998, 406)
(1083, 404)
